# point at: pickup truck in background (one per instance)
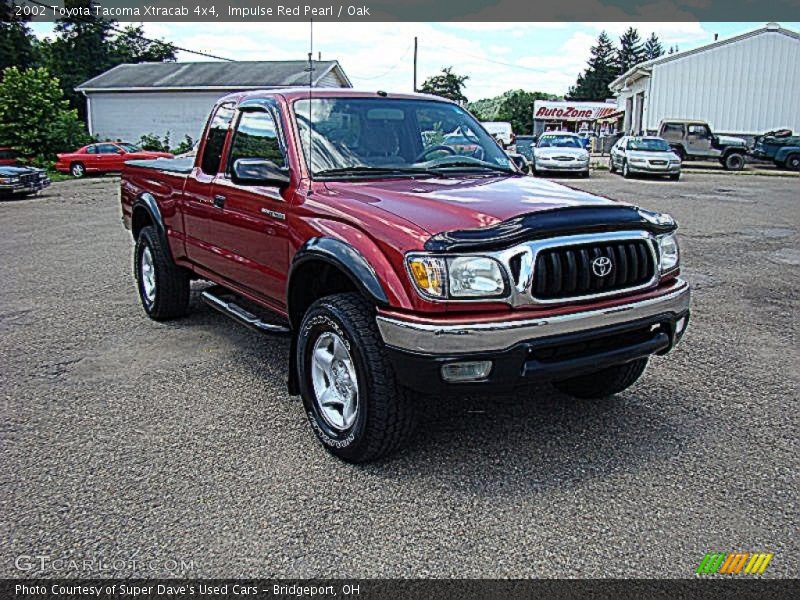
(694, 140)
(780, 147)
(396, 263)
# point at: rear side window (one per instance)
(673, 129)
(107, 149)
(215, 140)
(91, 150)
(257, 137)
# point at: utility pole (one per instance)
(415, 64)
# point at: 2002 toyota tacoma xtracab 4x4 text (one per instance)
(396, 262)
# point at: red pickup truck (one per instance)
(397, 263)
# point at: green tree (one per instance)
(35, 118)
(514, 106)
(17, 42)
(602, 69)
(131, 47)
(447, 85)
(631, 50)
(653, 48)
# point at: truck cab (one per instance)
(399, 266)
(694, 140)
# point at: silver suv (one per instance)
(693, 140)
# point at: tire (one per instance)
(584, 175)
(734, 161)
(626, 172)
(163, 286)
(793, 162)
(675, 176)
(365, 418)
(602, 384)
(611, 167)
(77, 169)
(680, 152)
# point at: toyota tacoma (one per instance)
(398, 264)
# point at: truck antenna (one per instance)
(310, 85)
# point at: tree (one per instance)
(17, 42)
(653, 48)
(514, 106)
(631, 50)
(131, 47)
(602, 69)
(35, 118)
(447, 85)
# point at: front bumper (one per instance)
(568, 166)
(24, 188)
(546, 348)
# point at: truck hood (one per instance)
(439, 205)
(729, 140)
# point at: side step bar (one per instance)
(237, 313)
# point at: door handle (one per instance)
(219, 201)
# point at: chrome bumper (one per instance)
(432, 338)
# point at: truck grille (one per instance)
(568, 272)
(29, 179)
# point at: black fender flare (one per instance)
(147, 202)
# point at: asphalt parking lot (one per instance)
(177, 443)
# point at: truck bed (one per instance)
(170, 165)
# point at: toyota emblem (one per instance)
(601, 266)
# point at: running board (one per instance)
(245, 317)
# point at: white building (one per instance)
(744, 85)
(130, 101)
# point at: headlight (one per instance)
(457, 276)
(9, 179)
(637, 161)
(669, 255)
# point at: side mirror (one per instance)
(258, 171)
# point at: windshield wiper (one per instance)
(375, 171)
(459, 165)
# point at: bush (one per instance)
(154, 143)
(35, 118)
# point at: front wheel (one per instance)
(603, 383)
(354, 405)
(734, 162)
(626, 171)
(675, 176)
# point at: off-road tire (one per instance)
(172, 282)
(385, 417)
(603, 383)
(793, 162)
(734, 161)
(77, 169)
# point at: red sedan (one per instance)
(103, 157)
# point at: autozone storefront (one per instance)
(572, 116)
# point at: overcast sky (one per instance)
(378, 56)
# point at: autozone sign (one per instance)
(571, 111)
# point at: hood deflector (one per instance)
(558, 221)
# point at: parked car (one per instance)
(501, 131)
(22, 181)
(399, 267)
(780, 147)
(644, 154)
(461, 143)
(520, 161)
(693, 140)
(104, 157)
(560, 151)
(9, 157)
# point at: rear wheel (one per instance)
(163, 286)
(734, 161)
(354, 405)
(77, 169)
(603, 383)
(793, 162)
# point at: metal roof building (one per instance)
(744, 85)
(132, 100)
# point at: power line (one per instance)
(496, 62)
(140, 36)
(390, 69)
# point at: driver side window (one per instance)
(257, 137)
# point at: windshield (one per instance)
(559, 141)
(648, 145)
(358, 136)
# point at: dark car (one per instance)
(22, 181)
(525, 144)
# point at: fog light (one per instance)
(467, 371)
(680, 326)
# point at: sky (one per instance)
(497, 57)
